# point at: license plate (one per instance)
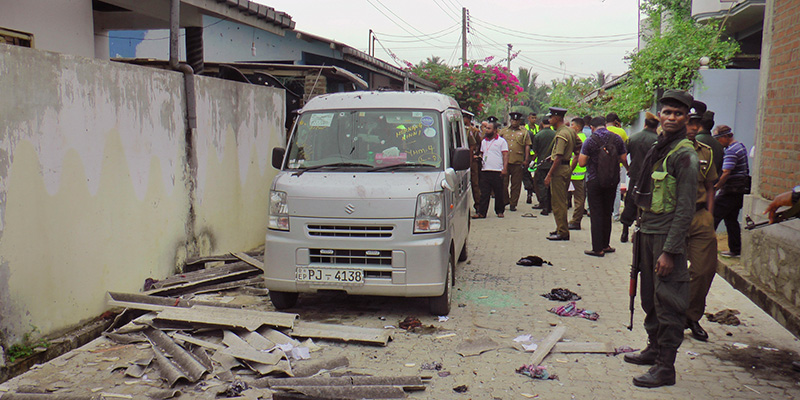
(348, 276)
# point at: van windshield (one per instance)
(392, 139)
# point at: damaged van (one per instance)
(372, 198)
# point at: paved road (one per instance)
(500, 300)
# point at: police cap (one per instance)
(681, 96)
(558, 111)
(491, 118)
(515, 115)
(698, 109)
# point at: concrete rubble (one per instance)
(175, 342)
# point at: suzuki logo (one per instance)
(350, 208)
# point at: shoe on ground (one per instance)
(557, 237)
(730, 254)
(500, 215)
(624, 237)
(478, 216)
(574, 227)
(537, 207)
(512, 208)
(609, 249)
(644, 357)
(545, 212)
(697, 331)
(593, 253)
(529, 199)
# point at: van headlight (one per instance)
(278, 211)
(430, 213)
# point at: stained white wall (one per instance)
(95, 191)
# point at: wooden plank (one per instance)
(250, 260)
(350, 392)
(547, 344)
(157, 303)
(227, 317)
(583, 347)
(345, 333)
(406, 382)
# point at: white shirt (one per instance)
(493, 153)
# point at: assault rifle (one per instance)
(783, 216)
(636, 238)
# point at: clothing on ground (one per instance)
(572, 310)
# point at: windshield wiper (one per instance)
(397, 166)
(334, 165)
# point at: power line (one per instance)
(426, 34)
(446, 12)
(543, 65)
(415, 40)
(516, 33)
(395, 22)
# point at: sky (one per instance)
(555, 38)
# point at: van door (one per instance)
(462, 192)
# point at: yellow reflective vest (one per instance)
(579, 173)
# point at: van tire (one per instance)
(464, 255)
(440, 305)
(283, 300)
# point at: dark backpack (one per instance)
(607, 174)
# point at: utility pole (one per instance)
(508, 65)
(463, 35)
(369, 45)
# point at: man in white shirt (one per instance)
(494, 153)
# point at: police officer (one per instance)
(519, 145)
(542, 148)
(527, 176)
(566, 142)
(474, 141)
(577, 181)
(666, 192)
(702, 243)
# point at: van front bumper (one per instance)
(395, 262)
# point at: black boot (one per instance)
(624, 237)
(529, 200)
(663, 374)
(645, 357)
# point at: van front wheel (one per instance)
(440, 305)
(283, 300)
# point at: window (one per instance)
(8, 36)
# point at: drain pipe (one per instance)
(191, 116)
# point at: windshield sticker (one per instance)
(323, 120)
(430, 132)
(427, 121)
(416, 114)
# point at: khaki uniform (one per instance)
(566, 141)
(701, 249)
(474, 142)
(519, 143)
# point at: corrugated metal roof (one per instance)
(261, 11)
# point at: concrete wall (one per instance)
(64, 25)
(95, 191)
(731, 94)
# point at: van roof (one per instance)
(375, 99)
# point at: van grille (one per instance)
(351, 257)
(350, 231)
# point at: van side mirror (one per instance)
(462, 159)
(277, 157)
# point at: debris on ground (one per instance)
(476, 346)
(543, 349)
(434, 366)
(532, 261)
(460, 389)
(536, 372)
(624, 349)
(561, 294)
(572, 310)
(725, 317)
(410, 323)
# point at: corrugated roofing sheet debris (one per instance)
(318, 330)
(406, 382)
(182, 283)
(180, 364)
(250, 260)
(240, 349)
(156, 303)
(227, 317)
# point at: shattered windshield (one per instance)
(356, 139)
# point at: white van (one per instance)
(372, 198)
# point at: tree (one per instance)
(671, 58)
(473, 85)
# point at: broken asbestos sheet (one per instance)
(227, 317)
(474, 347)
(317, 330)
